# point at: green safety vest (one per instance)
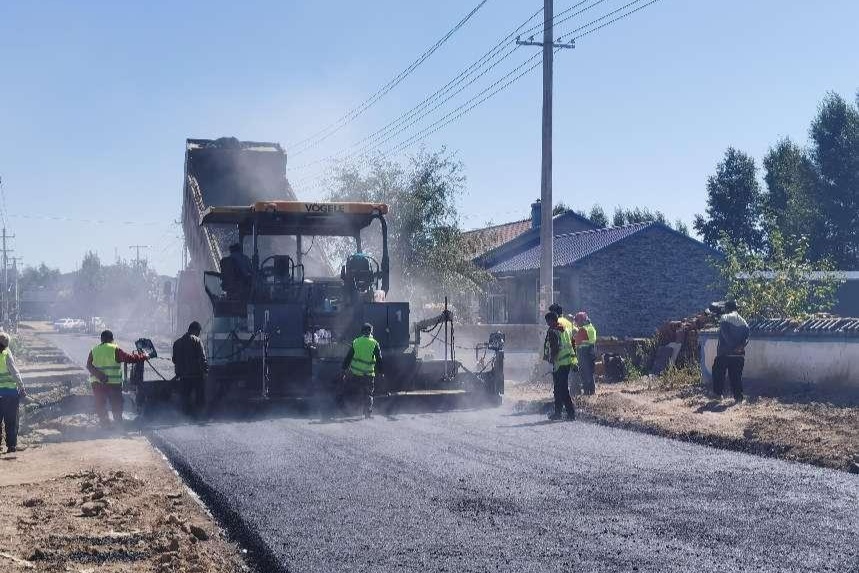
(568, 326)
(566, 354)
(592, 335)
(6, 380)
(104, 358)
(364, 356)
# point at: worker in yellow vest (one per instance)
(362, 362)
(558, 351)
(11, 392)
(562, 320)
(585, 340)
(104, 364)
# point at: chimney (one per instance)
(536, 214)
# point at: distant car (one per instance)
(64, 325)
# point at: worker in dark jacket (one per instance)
(11, 392)
(558, 351)
(362, 362)
(104, 364)
(189, 358)
(731, 351)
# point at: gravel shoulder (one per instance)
(810, 427)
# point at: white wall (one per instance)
(818, 360)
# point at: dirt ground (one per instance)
(104, 505)
(80, 498)
(810, 427)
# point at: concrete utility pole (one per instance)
(547, 271)
(6, 276)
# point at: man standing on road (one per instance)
(585, 342)
(558, 351)
(731, 351)
(189, 357)
(11, 392)
(103, 364)
(360, 365)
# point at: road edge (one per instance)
(257, 554)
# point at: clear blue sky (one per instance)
(97, 98)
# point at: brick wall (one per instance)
(632, 287)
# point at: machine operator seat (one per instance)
(358, 273)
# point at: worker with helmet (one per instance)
(104, 365)
(11, 392)
(558, 351)
(362, 362)
(585, 339)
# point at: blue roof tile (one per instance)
(569, 248)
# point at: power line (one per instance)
(2, 202)
(502, 46)
(612, 21)
(500, 84)
(354, 113)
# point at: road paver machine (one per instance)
(280, 333)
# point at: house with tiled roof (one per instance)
(629, 279)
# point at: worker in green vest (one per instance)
(585, 339)
(558, 351)
(11, 392)
(362, 362)
(104, 364)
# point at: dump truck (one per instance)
(284, 330)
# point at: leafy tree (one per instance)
(780, 284)
(835, 153)
(681, 227)
(39, 277)
(790, 204)
(598, 217)
(89, 284)
(733, 203)
(425, 242)
(560, 208)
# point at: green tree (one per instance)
(597, 216)
(89, 285)
(790, 204)
(41, 277)
(733, 203)
(681, 227)
(426, 243)
(780, 284)
(835, 153)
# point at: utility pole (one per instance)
(137, 248)
(547, 271)
(6, 252)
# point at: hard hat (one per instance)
(581, 317)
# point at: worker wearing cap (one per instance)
(361, 363)
(11, 392)
(104, 365)
(585, 339)
(558, 351)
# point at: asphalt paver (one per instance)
(489, 490)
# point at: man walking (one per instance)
(361, 362)
(104, 365)
(558, 351)
(730, 351)
(585, 340)
(189, 358)
(11, 392)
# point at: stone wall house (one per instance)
(629, 279)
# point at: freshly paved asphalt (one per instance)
(492, 491)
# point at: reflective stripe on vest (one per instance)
(364, 356)
(592, 335)
(104, 358)
(6, 380)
